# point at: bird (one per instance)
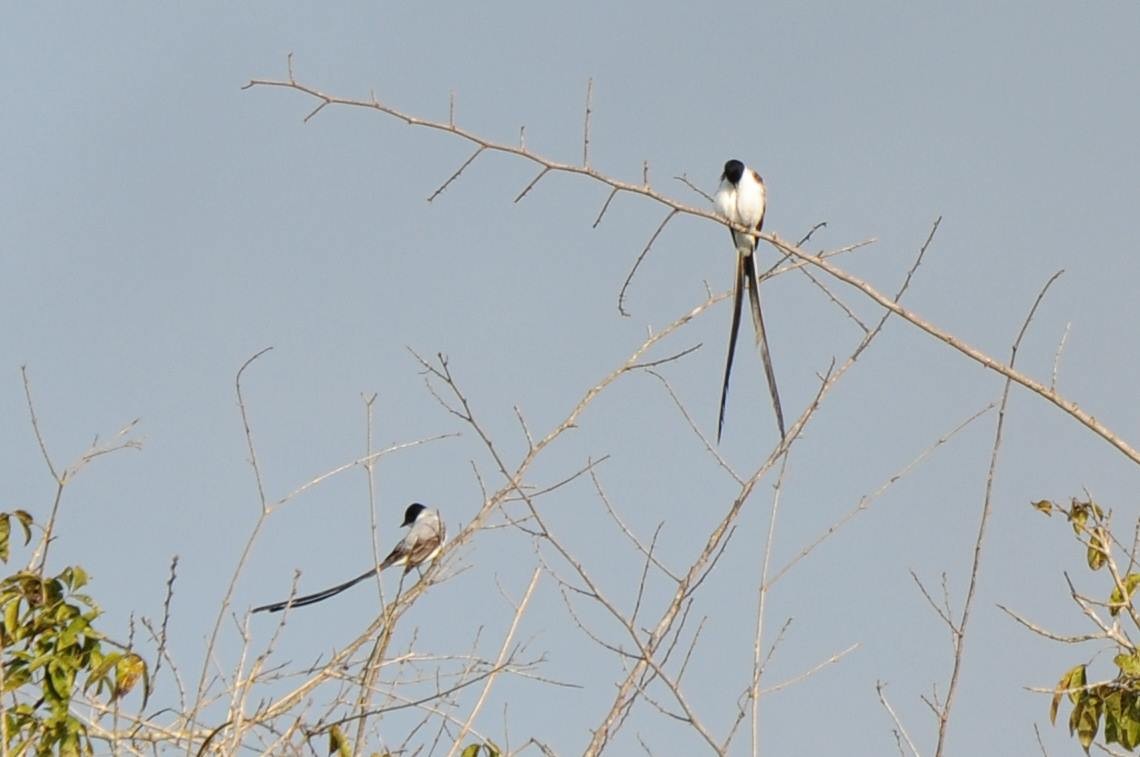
(742, 200)
(422, 543)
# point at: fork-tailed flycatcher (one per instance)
(422, 543)
(741, 199)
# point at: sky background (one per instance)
(158, 225)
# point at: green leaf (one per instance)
(26, 522)
(16, 678)
(74, 576)
(1112, 715)
(471, 750)
(127, 673)
(1116, 600)
(1073, 678)
(338, 744)
(102, 670)
(1078, 515)
(12, 619)
(1129, 720)
(5, 532)
(1085, 719)
(1129, 664)
(1043, 506)
(70, 635)
(1098, 548)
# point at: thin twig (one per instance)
(959, 631)
(880, 688)
(500, 662)
(641, 257)
(1057, 357)
(586, 128)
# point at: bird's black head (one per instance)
(733, 170)
(412, 513)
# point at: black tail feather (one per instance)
(737, 301)
(309, 599)
(753, 285)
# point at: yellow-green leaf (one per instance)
(26, 522)
(1112, 713)
(1043, 506)
(1097, 554)
(1116, 600)
(1073, 678)
(102, 670)
(1078, 515)
(1129, 664)
(1129, 720)
(12, 619)
(5, 532)
(75, 577)
(1085, 719)
(471, 750)
(338, 744)
(127, 673)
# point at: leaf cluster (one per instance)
(48, 647)
(1112, 705)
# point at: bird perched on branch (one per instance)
(422, 543)
(741, 198)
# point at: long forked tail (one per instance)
(309, 599)
(753, 286)
(737, 300)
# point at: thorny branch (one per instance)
(645, 189)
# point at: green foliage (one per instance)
(24, 519)
(339, 745)
(48, 645)
(1113, 705)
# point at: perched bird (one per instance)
(741, 198)
(422, 543)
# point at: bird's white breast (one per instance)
(744, 202)
(726, 201)
(750, 200)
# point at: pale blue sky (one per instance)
(158, 226)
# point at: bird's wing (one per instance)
(398, 555)
(309, 599)
(737, 300)
(420, 543)
(424, 549)
(752, 283)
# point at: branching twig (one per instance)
(959, 631)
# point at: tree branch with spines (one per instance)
(675, 207)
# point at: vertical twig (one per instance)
(757, 641)
(504, 651)
(959, 632)
(207, 657)
(586, 128)
(368, 676)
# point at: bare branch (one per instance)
(586, 128)
(1049, 634)
(36, 425)
(811, 671)
(1057, 357)
(454, 176)
(637, 264)
(900, 730)
(500, 662)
